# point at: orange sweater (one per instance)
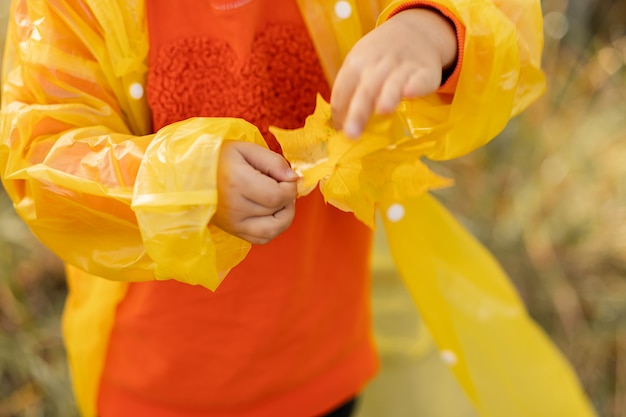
(288, 332)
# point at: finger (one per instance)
(233, 208)
(286, 214)
(392, 90)
(267, 162)
(243, 219)
(266, 192)
(242, 207)
(422, 83)
(343, 89)
(364, 99)
(261, 230)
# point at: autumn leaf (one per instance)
(354, 175)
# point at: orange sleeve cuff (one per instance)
(450, 79)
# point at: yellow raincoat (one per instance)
(113, 200)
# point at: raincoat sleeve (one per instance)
(77, 159)
(505, 363)
(499, 73)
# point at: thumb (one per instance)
(269, 163)
(282, 172)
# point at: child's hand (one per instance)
(402, 58)
(256, 192)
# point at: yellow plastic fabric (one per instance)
(113, 200)
(77, 154)
(354, 175)
(87, 322)
(175, 197)
(502, 359)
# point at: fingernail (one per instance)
(384, 108)
(352, 129)
(291, 174)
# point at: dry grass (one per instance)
(33, 374)
(548, 198)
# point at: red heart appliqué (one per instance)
(276, 85)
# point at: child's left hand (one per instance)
(402, 58)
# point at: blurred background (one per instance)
(548, 198)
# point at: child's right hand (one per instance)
(256, 192)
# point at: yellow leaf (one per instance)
(354, 175)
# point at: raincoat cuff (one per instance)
(451, 74)
(175, 197)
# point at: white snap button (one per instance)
(448, 357)
(343, 10)
(136, 91)
(395, 212)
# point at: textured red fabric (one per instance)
(288, 331)
(263, 91)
